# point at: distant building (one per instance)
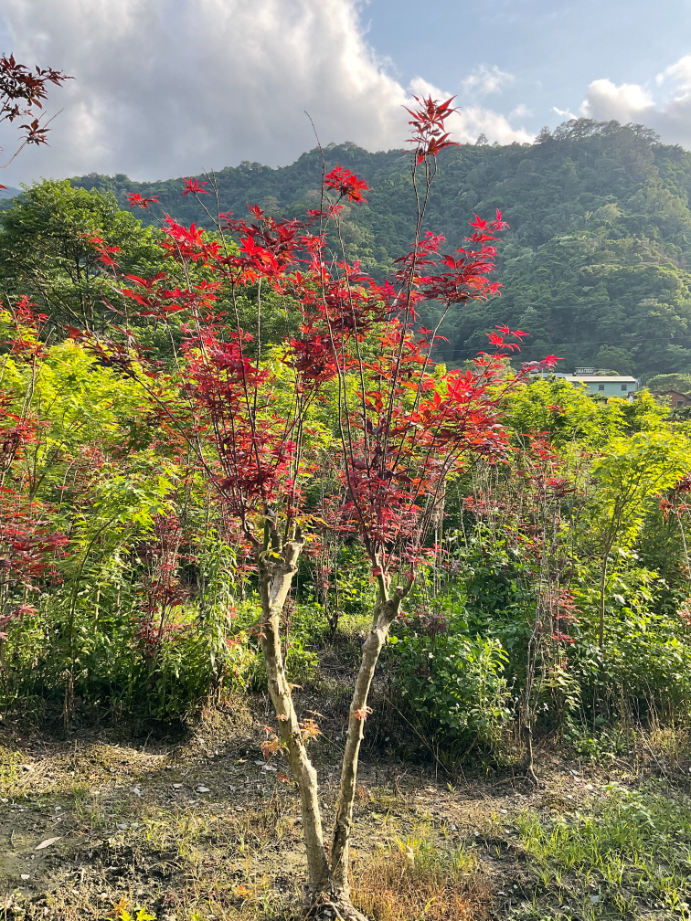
(605, 385)
(675, 397)
(598, 381)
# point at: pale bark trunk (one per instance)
(328, 878)
(275, 578)
(384, 614)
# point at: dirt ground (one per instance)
(203, 828)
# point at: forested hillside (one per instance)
(596, 265)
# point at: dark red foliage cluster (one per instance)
(137, 201)
(562, 606)
(428, 623)
(346, 184)
(429, 127)
(403, 428)
(683, 486)
(22, 92)
(161, 587)
(677, 500)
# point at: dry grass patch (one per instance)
(422, 878)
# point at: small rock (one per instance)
(137, 791)
(177, 786)
(202, 789)
(594, 899)
(25, 876)
(46, 843)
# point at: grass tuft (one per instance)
(417, 879)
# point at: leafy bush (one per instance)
(449, 677)
(114, 671)
(644, 664)
(302, 662)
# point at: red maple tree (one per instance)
(252, 414)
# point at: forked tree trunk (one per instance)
(328, 872)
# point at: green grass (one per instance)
(628, 855)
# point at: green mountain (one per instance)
(596, 265)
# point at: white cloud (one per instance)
(669, 114)
(679, 72)
(468, 122)
(521, 111)
(170, 87)
(483, 80)
(624, 103)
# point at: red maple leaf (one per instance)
(136, 200)
(195, 186)
(346, 184)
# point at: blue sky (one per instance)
(554, 48)
(174, 87)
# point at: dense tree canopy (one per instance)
(45, 253)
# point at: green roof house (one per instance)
(604, 384)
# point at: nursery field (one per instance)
(200, 828)
(297, 622)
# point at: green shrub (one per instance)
(644, 664)
(450, 677)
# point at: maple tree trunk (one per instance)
(276, 573)
(328, 879)
(385, 613)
